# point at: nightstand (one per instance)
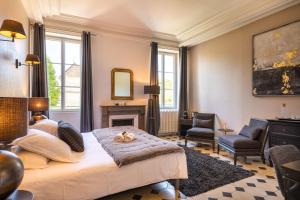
(21, 195)
(184, 125)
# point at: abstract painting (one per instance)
(276, 61)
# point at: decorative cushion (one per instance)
(250, 132)
(45, 144)
(202, 123)
(31, 160)
(201, 132)
(71, 136)
(239, 142)
(46, 125)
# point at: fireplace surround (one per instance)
(111, 115)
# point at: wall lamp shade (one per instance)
(151, 89)
(12, 29)
(13, 118)
(31, 59)
(38, 104)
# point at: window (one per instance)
(63, 63)
(167, 72)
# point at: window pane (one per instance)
(72, 53)
(169, 81)
(53, 50)
(160, 79)
(55, 98)
(72, 75)
(169, 99)
(161, 98)
(169, 63)
(72, 98)
(159, 62)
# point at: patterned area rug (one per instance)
(207, 173)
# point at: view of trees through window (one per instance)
(167, 72)
(63, 64)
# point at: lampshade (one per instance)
(12, 29)
(32, 59)
(13, 118)
(151, 89)
(38, 104)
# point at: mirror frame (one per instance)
(113, 96)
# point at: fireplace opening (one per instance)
(122, 122)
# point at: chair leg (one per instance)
(234, 159)
(185, 142)
(218, 149)
(213, 146)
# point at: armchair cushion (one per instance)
(200, 132)
(239, 142)
(250, 132)
(202, 123)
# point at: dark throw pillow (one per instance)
(250, 132)
(71, 136)
(202, 123)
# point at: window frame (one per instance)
(63, 64)
(175, 54)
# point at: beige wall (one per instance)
(221, 76)
(113, 51)
(13, 82)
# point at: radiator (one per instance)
(168, 122)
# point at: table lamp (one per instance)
(13, 118)
(37, 105)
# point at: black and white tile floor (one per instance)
(262, 186)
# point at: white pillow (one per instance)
(46, 125)
(45, 144)
(32, 160)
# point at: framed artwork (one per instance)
(276, 61)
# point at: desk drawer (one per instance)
(290, 130)
(283, 139)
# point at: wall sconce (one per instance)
(31, 59)
(12, 29)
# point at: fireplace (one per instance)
(122, 122)
(123, 116)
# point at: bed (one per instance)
(97, 175)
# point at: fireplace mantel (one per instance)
(108, 111)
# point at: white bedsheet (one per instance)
(97, 175)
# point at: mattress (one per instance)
(97, 175)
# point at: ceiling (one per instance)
(187, 21)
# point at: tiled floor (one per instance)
(262, 186)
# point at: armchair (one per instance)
(203, 129)
(249, 142)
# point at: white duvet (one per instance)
(97, 175)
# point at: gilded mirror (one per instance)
(121, 84)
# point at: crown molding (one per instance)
(77, 28)
(231, 19)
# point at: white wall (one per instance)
(113, 51)
(221, 75)
(13, 82)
